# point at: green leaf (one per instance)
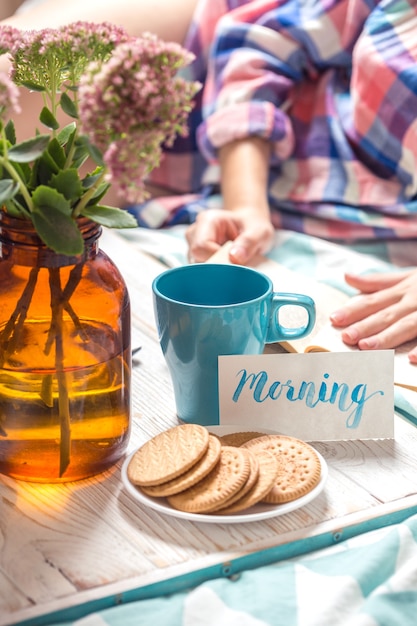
(10, 132)
(32, 86)
(92, 150)
(58, 231)
(34, 178)
(53, 222)
(45, 196)
(68, 106)
(80, 156)
(68, 183)
(99, 193)
(111, 217)
(57, 152)
(95, 154)
(16, 209)
(29, 150)
(46, 167)
(8, 189)
(67, 134)
(12, 209)
(48, 119)
(23, 170)
(92, 178)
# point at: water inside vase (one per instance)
(82, 411)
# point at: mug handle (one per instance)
(276, 332)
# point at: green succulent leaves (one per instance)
(41, 180)
(52, 219)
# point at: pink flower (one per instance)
(132, 104)
(129, 160)
(125, 94)
(65, 51)
(10, 39)
(9, 97)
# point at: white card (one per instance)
(316, 397)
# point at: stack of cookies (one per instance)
(198, 472)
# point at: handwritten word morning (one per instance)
(348, 400)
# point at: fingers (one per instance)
(370, 283)
(251, 234)
(412, 355)
(382, 331)
(251, 243)
(378, 292)
(399, 332)
(208, 233)
(384, 315)
(201, 253)
(363, 307)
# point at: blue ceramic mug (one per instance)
(206, 310)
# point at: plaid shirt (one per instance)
(332, 84)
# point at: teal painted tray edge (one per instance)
(227, 569)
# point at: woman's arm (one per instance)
(260, 54)
(244, 168)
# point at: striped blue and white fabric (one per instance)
(370, 580)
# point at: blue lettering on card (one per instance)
(348, 400)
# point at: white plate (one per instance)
(254, 514)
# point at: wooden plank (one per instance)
(55, 530)
(185, 576)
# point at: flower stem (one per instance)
(86, 197)
(22, 187)
(10, 334)
(63, 398)
(73, 280)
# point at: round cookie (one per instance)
(189, 478)
(238, 439)
(228, 476)
(252, 478)
(266, 479)
(168, 454)
(299, 466)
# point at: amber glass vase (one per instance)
(65, 357)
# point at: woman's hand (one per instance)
(383, 315)
(251, 232)
(245, 218)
